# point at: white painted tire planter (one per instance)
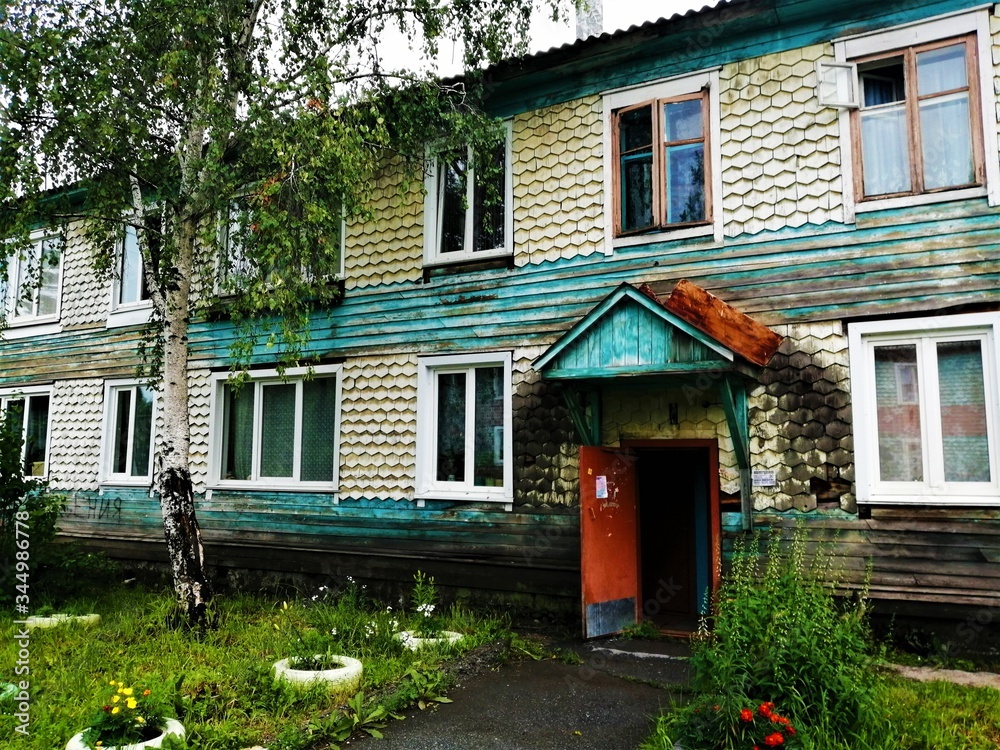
(52, 621)
(414, 643)
(173, 727)
(343, 679)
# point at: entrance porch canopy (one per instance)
(691, 338)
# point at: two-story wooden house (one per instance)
(747, 258)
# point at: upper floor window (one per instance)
(130, 282)
(27, 412)
(32, 286)
(662, 176)
(128, 448)
(661, 160)
(278, 433)
(464, 428)
(918, 123)
(468, 211)
(925, 396)
(920, 117)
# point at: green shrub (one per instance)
(781, 637)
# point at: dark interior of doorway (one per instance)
(673, 511)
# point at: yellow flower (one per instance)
(112, 683)
(140, 720)
(116, 709)
(115, 698)
(130, 702)
(127, 691)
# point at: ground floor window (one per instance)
(464, 427)
(26, 413)
(274, 431)
(128, 432)
(925, 406)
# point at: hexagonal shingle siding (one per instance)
(379, 428)
(85, 299)
(77, 408)
(801, 419)
(780, 150)
(558, 173)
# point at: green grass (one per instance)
(227, 697)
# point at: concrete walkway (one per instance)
(607, 702)
(932, 674)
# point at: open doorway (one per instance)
(678, 530)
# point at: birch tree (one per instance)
(163, 115)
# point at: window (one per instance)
(918, 120)
(661, 161)
(31, 289)
(468, 212)
(128, 447)
(926, 410)
(464, 428)
(925, 115)
(235, 266)
(130, 281)
(660, 153)
(27, 412)
(274, 432)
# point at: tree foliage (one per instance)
(173, 117)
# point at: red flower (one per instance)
(790, 729)
(766, 709)
(746, 714)
(773, 740)
(715, 708)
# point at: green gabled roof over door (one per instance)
(631, 334)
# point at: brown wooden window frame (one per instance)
(660, 223)
(912, 108)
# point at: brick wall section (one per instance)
(780, 150)
(800, 420)
(558, 173)
(546, 454)
(379, 428)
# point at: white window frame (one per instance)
(428, 487)
(9, 394)
(257, 379)
(925, 332)
(432, 208)
(127, 313)
(223, 227)
(108, 476)
(32, 325)
(974, 20)
(669, 88)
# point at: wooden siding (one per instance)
(939, 557)
(537, 550)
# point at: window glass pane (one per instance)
(278, 431)
(883, 84)
(489, 427)
(946, 141)
(683, 120)
(963, 411)
(900, 441)
(941, 69)
(685, 183)
(36, 437)
(636, 168)
(318, 423)
(14, 417)
(236, 263)
(237, 462)
(48, 290)
(450, 456)
(123, 415)
(488, 208)
(451, 204)
(130, 272)
(27, 268)
(143, 431)
(884, 150)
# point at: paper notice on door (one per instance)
(601, 492)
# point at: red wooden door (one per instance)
(609, 547)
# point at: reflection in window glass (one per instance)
(963, 411)
(899, 425)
